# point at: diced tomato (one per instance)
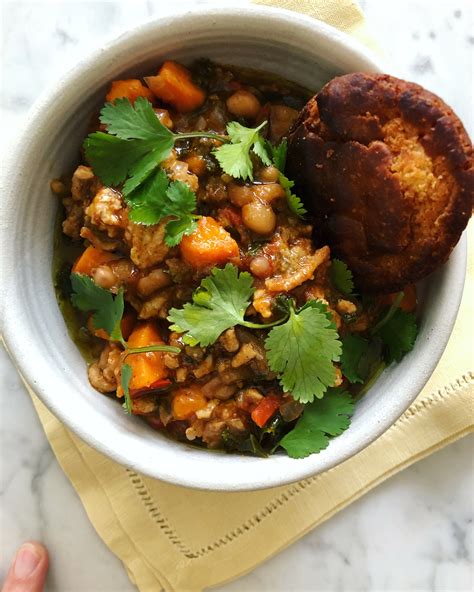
(265, 410)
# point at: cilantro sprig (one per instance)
(302, 351)
(321, 419)
(218, 304)
(107, 315)
(158, 199)
(234, 157)
(394, 335)
(136, 142)
(301, 346)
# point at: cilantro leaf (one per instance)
(113, 158)
(107, 310)
(142, 168)
(234, 158)
(176, 229)
(259, 149)
(157, 199)
(125, 381)
(322, 418)
(179, 198)
(294, 202)
(218, 304)
(146, 204)
(180, 203)
(302, 352)
(354, 350)
(278, 154)
(134, 122)
(341, 277)
(398, 335)
(136, 143)
(360, 358)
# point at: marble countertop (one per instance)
(412, 533)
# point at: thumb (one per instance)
(28, 570)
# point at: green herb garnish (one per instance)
(389, 340)
(234, 157)
(354, 350)
(107, 309)
(136, 143)
(398, 335)
(278, 153)
(302, 351)
(341, 277)
(294, 202)
(126, 376)
(321, 419)
(218, 304)
(158, 199)
(301, 346)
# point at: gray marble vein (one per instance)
(414, 532)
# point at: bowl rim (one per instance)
(45, 103)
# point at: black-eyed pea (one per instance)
(260, 266)
(239, 195)
(269, 174)
(104, 277)
(243, 104)
(268, 192)
(259, 217)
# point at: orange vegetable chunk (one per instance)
(210, 244)
(173, 85)
(265, 409)
(128, 89)
(148, 368)
(186, 401)
(90, 259)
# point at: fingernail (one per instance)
(26, 561)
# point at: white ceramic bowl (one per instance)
(296, 47)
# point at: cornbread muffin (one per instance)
(387, 170)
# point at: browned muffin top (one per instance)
(386, 168)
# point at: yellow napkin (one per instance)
(173, 539)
